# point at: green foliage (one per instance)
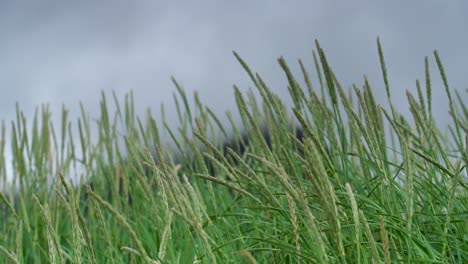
(360, 185)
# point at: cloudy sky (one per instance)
(59, 52)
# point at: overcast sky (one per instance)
(68, 51)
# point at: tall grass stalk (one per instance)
(333, 178)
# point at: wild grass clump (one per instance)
(336, 178)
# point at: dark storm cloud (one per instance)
(66, 51)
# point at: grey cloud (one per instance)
(56, 51)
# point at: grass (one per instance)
(363, 184)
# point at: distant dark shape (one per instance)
(241, 144)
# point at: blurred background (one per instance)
(64, 52)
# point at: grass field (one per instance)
(363, 184)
